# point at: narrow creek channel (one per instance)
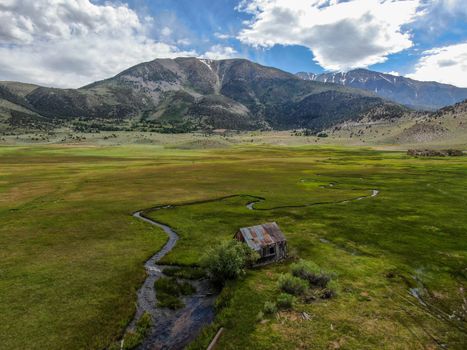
(174, 329)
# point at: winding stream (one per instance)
(174, 329)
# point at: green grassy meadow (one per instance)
(72, 255)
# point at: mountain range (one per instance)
(412, 93)
(187, 93)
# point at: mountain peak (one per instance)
(360, 70)
(197, 93)
(409, 92)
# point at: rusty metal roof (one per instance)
(262, 235)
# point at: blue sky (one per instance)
(201, 20)
(74, 42)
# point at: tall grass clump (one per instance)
(185, 272)
(168, 291)
(132, 339)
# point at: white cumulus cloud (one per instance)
(219, 52)
(341, 34)
(69, 43)
(446, 64)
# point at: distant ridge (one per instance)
(412, 93)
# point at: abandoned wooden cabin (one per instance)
(267, 239)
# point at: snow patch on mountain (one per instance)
(409, 92)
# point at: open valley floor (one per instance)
(72, 256)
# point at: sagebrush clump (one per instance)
(285, 301)
(309, 271)
(270, 308)
(292, 285)
(307, 281)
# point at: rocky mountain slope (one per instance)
(416, 94)
(185, 94)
